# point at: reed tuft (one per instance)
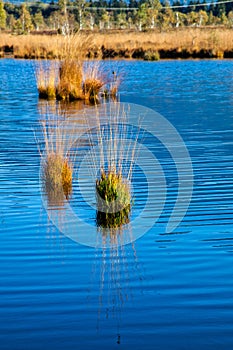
(46, 81)
(57, 174)
(114, 160)
(57, 168)
(91, 89)
(70, 80)
(113, 200)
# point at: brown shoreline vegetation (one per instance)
(178, 43)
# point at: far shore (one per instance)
(179, 43)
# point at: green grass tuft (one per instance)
(113, 200)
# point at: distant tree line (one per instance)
(65, 16)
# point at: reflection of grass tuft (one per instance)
(113, 220)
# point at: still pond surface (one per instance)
(164, 291)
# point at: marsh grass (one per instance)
(71, 67)
(122, 43)
(113, 200)
(189, 39)
(64, 81)
(113, 86)
(57, 176)
(94, 80)
(91, 89)
(151, 55)
(56, 47)
(113, 161)
(46, 75)
(56, 165)
(61, 80)
(70, 80)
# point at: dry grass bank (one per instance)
(177, 43)
(184, 41)
(44, 46)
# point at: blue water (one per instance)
(164, 291)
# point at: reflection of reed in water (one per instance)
(63, 109)
(55, 198)
(115, 269)
(112, 220)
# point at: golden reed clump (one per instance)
(70, 80)
(66, 78)
(57, 175)
(56, 161)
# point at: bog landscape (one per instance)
(116, 170)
